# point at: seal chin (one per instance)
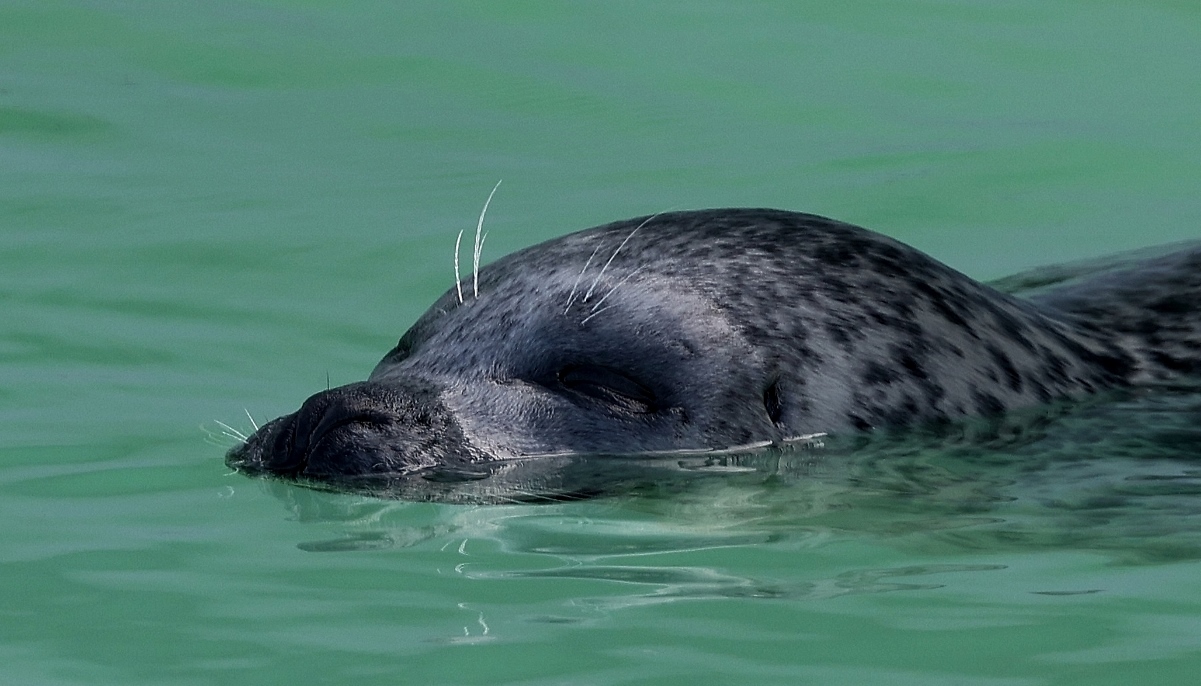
(361, 430)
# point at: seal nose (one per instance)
(362, 429)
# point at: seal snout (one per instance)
(358, 430)
(327, 426)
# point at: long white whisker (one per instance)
(233, 433)
(614, 289)
(212, 440)
(218, 439)
(458, 279)
(574, 286)
(594, 313)
(479, 243)
(623, 244)
(252, 422)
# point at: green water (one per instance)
(216, 207)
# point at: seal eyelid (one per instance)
(608, 386)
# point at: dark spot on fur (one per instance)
(839, 333)
(1170, 362)
(904, 413)
(1116, 365)
(934, 392)
(987, 403)
(938, 300)
(1040, 389)
(876, 373)
(1173, 304)
(1005, 365)
(1013, 329)
(1055, 368)
(911, 365)
(838, 253)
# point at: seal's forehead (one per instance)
(533, 319)
(633, 297)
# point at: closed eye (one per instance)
(613, 388)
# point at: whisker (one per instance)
(217, 438)
(252, 422)
(614, 289)
(458, 279)
(212, 440)
(576, 285)
(232, 432)
(611, 257)
(479, 243)
(594, 313)
(482, 239)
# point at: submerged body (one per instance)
(715, 329)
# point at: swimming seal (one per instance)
(720, 329)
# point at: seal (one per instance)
(721, 330)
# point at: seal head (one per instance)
(694, 331)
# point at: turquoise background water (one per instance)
(212, 207)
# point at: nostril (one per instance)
(337, 417)
(283, 457)
(335, 431)
(321, 416)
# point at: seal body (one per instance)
(709, 330)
